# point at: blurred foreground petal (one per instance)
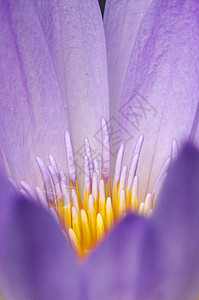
(7, 201)
(169, 268)
(111, 268)
(37, 261)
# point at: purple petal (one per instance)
(75, 36)
(112, 267)
(177, 219)
(2, 162)
(169, 265)
(7, 200)
(160, 92)
(31, 107)
(122, 20)
(37, 261)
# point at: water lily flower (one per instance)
(88, 241)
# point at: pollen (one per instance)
(87, 218)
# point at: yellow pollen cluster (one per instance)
(86, 222)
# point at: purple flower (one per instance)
(136, 238)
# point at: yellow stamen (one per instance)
(100, 227)
(76, 224)
(67, 216)
(128, 199)
(109, 213)
(85, 200)
(108, 187)
(141, 209)
(134, 204)
(95, 191)
(102, 199)
(114, 195)
(85, 231)
(92, 218)
(122, 205)
(147, 204)
(134, 195)
(74, 241)
(75, 201)
(78, 195)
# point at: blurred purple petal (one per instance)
(160, 92)
(169, 268)
(111, 268)
(31, 108)
(177, 219)
(37, 261)
(75, 36)
(6, 202)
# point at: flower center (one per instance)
(86, 220)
